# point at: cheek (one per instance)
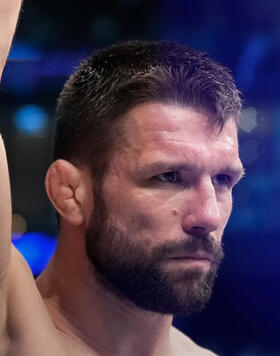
(142, 220)
(152, 213)
(155, 224)
(144, 223)
(132, 212)
(225, 210)
(134, 208)
(142, 215)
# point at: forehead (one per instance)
(157, 126)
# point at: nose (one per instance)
(202, 210)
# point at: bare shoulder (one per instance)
(184, 346)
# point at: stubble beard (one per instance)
(125, 268)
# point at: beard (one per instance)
(124, 267)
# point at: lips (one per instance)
(199, 256)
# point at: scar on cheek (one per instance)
(174, 212)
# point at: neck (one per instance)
(98, 319)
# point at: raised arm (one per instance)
(9, 10)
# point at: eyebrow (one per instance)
(158, 166)
(238, 172)
(167, 166)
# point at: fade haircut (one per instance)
(114, 80)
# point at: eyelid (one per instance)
(177, 179)
(229, 179)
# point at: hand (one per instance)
(9, 10)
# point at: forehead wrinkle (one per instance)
(188, 147)
(155, 127)
(159, 117)
(191, 157)
(166, 138)
(179, 153)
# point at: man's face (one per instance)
(156, 229)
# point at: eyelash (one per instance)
(174, 177)
(226, 180)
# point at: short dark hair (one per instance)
(116, 79)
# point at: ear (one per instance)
(68, 191)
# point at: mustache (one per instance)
(190, 245)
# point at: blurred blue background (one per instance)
(243, 316)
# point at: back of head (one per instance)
(116, 79)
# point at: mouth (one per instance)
(197, 256)
(197, 259)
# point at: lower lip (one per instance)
(194, 262)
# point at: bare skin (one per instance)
(86, 313)
(9, 10)
(72, 314)
(69, 312)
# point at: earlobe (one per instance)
(63, 184)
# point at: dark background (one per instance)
(243, 316)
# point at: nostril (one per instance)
(198, 231)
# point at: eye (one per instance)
(222, 180)
(169, 177)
